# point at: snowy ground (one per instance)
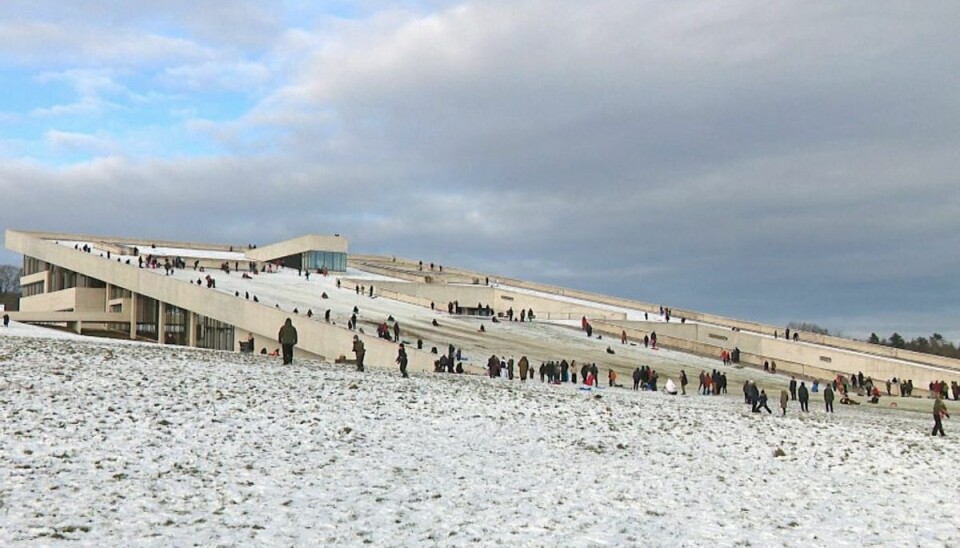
(107, 442)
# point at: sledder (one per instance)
(670, 388)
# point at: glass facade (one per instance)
(32, 266)
(30, 290)
(333, 260)
(175, 325)
(213, 334)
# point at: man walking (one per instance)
(359, 350)
(828, 398)
(402, 360)
(793, 388)
(287, 338)
(939, 411)
(804, 398)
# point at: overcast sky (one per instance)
(772, 160)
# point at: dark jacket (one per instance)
(288, 333)
(803, 394)
(828, 394)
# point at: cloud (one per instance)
(773, 160)
(80, 142)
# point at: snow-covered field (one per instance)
(121, 443)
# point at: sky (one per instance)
(767, 160)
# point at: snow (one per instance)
(109, 442)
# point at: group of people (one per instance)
(714, 383)
(645, 378)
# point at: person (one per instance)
(793, 388)
(683, 382)
(804, 398)
(670, 388)
(845, 399)
(762, 403)
(939, 411)
(612, 378)
(402, 360)
(828, 398)
(636, 379)
(287, 338)
(784, 398)
(359, 351)
(275, 353)
(524, 365)
(6, 320)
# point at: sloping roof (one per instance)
(310, 242)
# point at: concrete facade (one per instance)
(76, 306)
(142, 303)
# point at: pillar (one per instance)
(161, 322)
(191, 329)
(133, 315)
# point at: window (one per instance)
(331, 260)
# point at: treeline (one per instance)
(934, 344)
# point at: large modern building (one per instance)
(221, 296)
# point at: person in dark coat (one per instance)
(793, 388)
(636, 379)
(939, 411)
(524, 365)
(683, 382)
(359, 351)
(287, 337)
(762, 403)
(396, 331)
(828, 398)
(6, 320)
(402, 360)
(804, 397)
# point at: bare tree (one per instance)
(9, 279)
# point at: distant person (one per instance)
(683, 382)
(939, 411)
(793, 388)
(762, 403)
(359, 351)
(784, 398)
(828, 398)
(804, 397)
(402, 360)
(6, 320)
(287, 338)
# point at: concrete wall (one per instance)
(311, 242)
(803, 359)
(141, 242)
(75, 298)
(498, 298)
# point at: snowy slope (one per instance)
(117, 443)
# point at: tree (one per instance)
(874, 339)
(897, 341)
(808, 327)
(9, 279)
